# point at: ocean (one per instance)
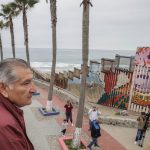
(67, 59)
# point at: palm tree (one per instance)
(1, 46)
(85, 52)
(54, 51)
(23, 5)
(7, 13)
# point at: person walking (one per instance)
(95, 133)
(16, 88)
(93, 115)
(140, 125)
(68, 112)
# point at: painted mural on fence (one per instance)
(142, 56)
(141, 87)
(117, 83)
(117, 88)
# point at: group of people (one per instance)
(94, 124)
(16, 89)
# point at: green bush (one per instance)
(68, 143)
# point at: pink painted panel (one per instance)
(142, 56)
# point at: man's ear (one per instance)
(3, 89)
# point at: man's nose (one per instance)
(33, 88)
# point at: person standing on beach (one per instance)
(16, 88)
(68, 111)
(93, 115)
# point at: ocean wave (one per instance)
(46, 66)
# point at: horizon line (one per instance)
(77, 48)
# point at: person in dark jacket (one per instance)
(95, 133)
(16, 88)
(146, 125)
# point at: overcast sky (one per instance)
(114, 24)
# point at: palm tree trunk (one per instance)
(25, 27)
(54, 51)
(12, 36)
(85, 51)
(1, 48)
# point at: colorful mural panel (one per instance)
(117, 88)
(141, 84)
(142, 56)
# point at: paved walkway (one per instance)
(45, 130)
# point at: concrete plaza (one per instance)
(44, 131)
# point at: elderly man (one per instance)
(16, 88)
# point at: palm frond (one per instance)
(31, 3)
(26, 3)
(15, 9)
(17, 5)
(13, 5)
(6, 24)
(5, 9)
(21, 1)
(1, 14)
(1, 24)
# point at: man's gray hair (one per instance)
(7, 69)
